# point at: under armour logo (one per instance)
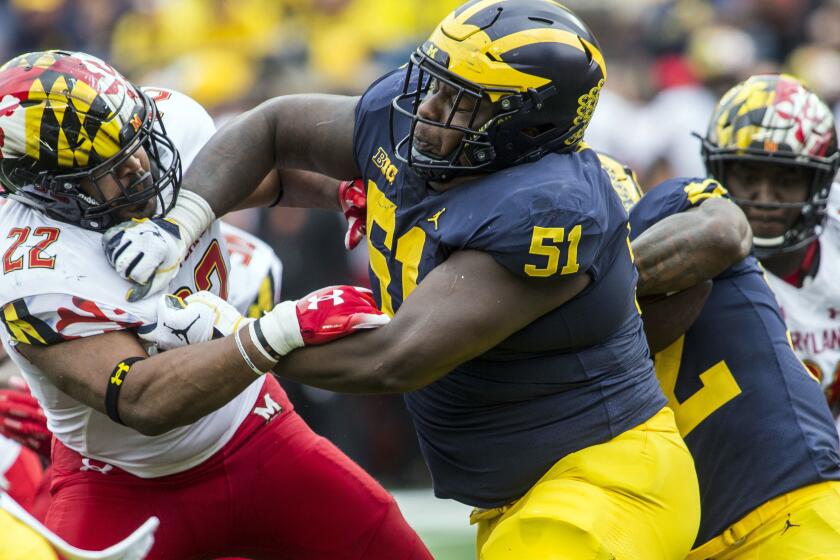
(335, 297)
(434, 219)
(269, 410)
(182, 333)
(88, 466)
(122, 368)
(788, 524)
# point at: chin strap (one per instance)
(807, 268)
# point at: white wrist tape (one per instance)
(192, 214)
(252, 332)
(281, 328)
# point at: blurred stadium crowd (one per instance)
(669, 61)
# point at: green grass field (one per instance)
(442, 524)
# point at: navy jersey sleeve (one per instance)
(672, 197)
(532, 237)
(372, 110)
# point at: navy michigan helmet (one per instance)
(534, 60)
(68, 119)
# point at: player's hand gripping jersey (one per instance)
(57, 285)
(579, 376)
(753, 417)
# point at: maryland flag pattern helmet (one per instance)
(534, 60)
(68, 119)
(776, 119)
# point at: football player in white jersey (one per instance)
(255, 272)
(189, 435)
(772, 142)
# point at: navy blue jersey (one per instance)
(578, 376)
(754, 419)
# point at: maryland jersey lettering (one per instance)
(812, 313)
(751, 414)
(577, 376)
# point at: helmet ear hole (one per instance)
(586, 50)
(537, 131)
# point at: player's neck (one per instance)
(787, 265)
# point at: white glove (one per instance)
(198, 318)
(149, 253)
(146, 252)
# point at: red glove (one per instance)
(23, 420)
(322, 316)
(353, 201)
(337, 311)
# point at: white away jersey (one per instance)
(812, 314)
(255, 271)
(57, 285)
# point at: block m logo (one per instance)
(270, 409)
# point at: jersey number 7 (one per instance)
(719, 387)
(212, 264)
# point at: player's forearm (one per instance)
(158, 393)
(233, 162)
(180, 386)
(464, 307)
(691, 247)
(363, 363)
(312, 132)
(414, 349)
(304, 189)
(294, 188)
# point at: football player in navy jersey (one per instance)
(502, 252)
(762, 437)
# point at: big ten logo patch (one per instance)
(586, 105)
(383, 162)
